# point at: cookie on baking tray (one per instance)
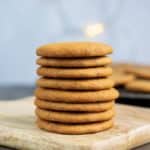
(121, 67)
(139, 85)
(121, 78)
(140, 72)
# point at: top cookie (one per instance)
(74, 49)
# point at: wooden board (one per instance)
(18, 130)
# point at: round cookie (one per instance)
(121, 67)
(74, 73)
(77, 62)
(74, 117)
(76, 96)
(120, 78)
(140, 72)
(70, 84)
(80, 107)
(74, 49)
(74, 128)
(139, 85)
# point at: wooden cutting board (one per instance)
(18, 130)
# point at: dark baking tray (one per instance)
(134, 98)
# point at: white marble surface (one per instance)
(26, 24)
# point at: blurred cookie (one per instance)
(120, 78)
(78, 107)
(121, 67)
(140, 72)
(77, 62)
(74, 117)
(74, 49)
(70, 84)
(76, 96)
(139, 85)
(74, 73)
(74, 128)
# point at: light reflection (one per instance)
(93, 30)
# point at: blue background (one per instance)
(26, 24)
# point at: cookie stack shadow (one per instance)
(74, 94)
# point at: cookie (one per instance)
(120, 78)
(74, 49)
(121, 67)
(80, 107)
(139, 85)
(77, 62)
(140, 72)
(76, 96)
(74, 117)
(70, 84)
(74, 73)
(74, 128)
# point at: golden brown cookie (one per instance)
(74, 128)
(70, 84)
(77, 62)
(74, 117)
(139, 85)
(76, 96)
(140, 71)
(74, 73)
(74, 49)
(121, 67)
(80, 107)
(121, 78)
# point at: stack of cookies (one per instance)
(74, 94)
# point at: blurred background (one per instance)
(27, 24)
